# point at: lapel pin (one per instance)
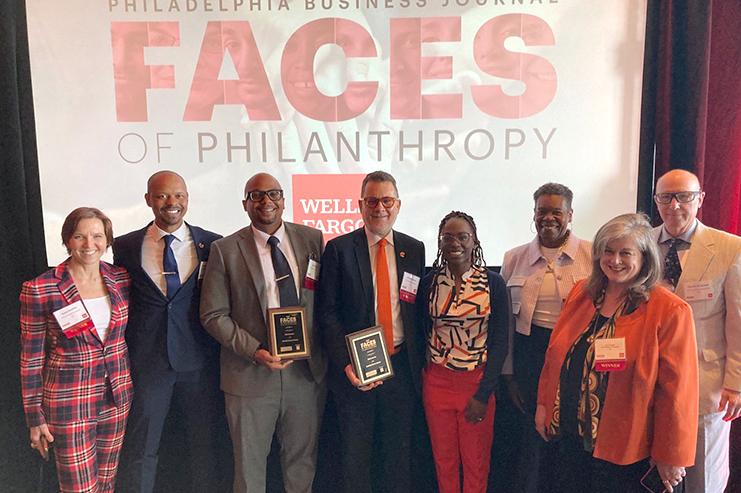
(201, 245)
(402, 254)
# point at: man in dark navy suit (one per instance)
(174, 362)
(362, 283)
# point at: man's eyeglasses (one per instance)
(682, 197)
(258, 195)
(387, 202)
(459, 237)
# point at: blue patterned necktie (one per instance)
(283, 275)
(172, 276)
(672, 267)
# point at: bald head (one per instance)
(167, 196)
(164, 175)
(678, 216)
(679, 180)
(265, 212)
(261, 181)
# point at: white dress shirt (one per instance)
(373, 240)
(153, 248)
(266, 262)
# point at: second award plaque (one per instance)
(287, 335)
(369, 355)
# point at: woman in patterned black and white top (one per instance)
(464, 310)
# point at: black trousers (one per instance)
(205, 450)
(375, 431)
(529, 355)
(577, 471)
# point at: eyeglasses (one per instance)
(372, 202)
(258, 195)
(459, 237)
(682, 197)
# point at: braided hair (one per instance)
(438, 267)
(477, 255)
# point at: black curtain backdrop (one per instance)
(691, 119)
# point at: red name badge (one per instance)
(312, 274)
(73, 319)
(609, 354)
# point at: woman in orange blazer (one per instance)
(626, 347)
(77, 394)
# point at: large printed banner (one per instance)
(470, 104)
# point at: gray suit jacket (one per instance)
(715, 257)
(234, 306)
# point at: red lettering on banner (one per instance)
(251, 89)
(131, 76)
(534, 71)
(409, 67)
(297, 69)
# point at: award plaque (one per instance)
(287, 335)
(369, 355)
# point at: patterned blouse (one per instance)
(460, 320)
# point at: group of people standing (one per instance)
(613, 351)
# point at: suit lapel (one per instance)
(300, 253)
(114, 295)
(67, 287)
(362, 256)
(200, 247)
(136, 252)
(701, 253)
(402, 258)
(252, 260)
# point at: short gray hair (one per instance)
(555, 189)
(379, 176)
(638, 228)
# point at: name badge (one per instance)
(609, 354)
(409, 286)
(699, 290)
(312, 274)
(73, 319)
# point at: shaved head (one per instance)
(679, 216)
(678, 178)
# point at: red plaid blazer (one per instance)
(68, 382)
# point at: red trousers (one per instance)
(87, 451)
(455, 441)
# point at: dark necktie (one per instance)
(172, 276)
(672, 267)
(283, 275)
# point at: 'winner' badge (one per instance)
(609, 354)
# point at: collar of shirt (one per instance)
(569, 249)
(686, 237)
(157, 233)
(262, 237)
(374, 238)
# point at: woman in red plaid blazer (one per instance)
(77, 393)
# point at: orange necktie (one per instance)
(383, 295)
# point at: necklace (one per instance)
(550, 262)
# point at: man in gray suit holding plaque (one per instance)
(262, 276)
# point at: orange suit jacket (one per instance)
(650, 407)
